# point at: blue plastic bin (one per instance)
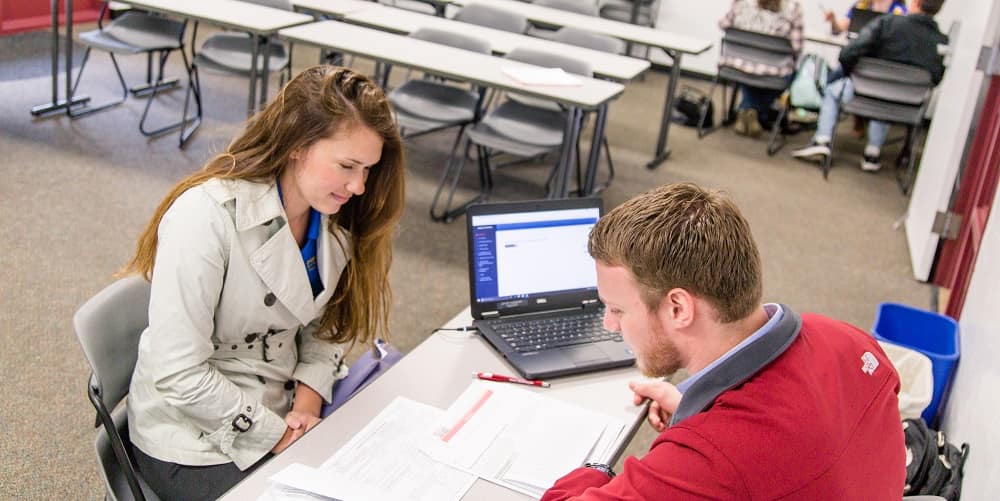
(932, 334)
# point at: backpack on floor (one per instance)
(933, 465)
(806, 90)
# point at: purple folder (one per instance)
(363, 371)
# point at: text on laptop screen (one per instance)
(521, 254)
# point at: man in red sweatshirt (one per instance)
(777, 405)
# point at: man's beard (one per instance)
(662, 359)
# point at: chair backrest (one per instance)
(757, 47)
(452, 39)
(891, 81)
(581, 38)
(147, 31)
(550, 60)
(585, 7)
(108, 326)
(492, 17)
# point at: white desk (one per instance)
(259, 21)
(604, 64)
(459, 64)
(674, 45)
(435, 373)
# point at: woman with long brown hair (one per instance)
(263, 266)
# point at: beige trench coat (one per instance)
(231, 322)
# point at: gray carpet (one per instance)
(74, 195)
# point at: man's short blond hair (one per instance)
(681, 235)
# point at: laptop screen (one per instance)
(527, 253)
(859, 19)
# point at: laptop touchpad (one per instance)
(585, 354)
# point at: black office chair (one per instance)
(108, 327)
(890, 92)
(758, 48)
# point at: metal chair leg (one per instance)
(86, 110)
(773, 143)
(194, 88)
(450, 175)
(152, 97)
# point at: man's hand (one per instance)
(664, 396)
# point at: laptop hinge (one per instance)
(590, 304)
(491, 314)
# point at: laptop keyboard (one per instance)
(547, 333)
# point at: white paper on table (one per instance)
(541, 76)
(383, 461)
(517, 438)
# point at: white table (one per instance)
(259, 21)
(435, 373)
(604, 64)
(674, 45)
(458, 64)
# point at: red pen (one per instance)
(489, 376)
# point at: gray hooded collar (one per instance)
(741, 366)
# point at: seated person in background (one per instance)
(777, 405)
(262, 264)
(911, 39)
(782, 18)
(839, 24)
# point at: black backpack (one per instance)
(933, 465)
(688, 105)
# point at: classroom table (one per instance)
(458, 64)
(673, 44)
(259, 21)
(435, 373)
(604, 64)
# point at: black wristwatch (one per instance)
(602, 468)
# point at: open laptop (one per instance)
(533, 287)
(859, 19)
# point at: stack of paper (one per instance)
(381, 462)
(540, 76)
(504, 434)
(517, 438)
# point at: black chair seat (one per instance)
(433, 102)
(884, 111)
(231, 52)
(762, 81)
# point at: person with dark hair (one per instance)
(839, 24)
(777, 405)
(782, 18)
(911, 39)
(265, 266)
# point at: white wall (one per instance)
(953, 116)
(972, 410)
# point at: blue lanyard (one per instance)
(309, 247)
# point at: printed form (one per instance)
(517, 438)
(381, 462)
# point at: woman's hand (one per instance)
(665, 398)
(298, 423)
